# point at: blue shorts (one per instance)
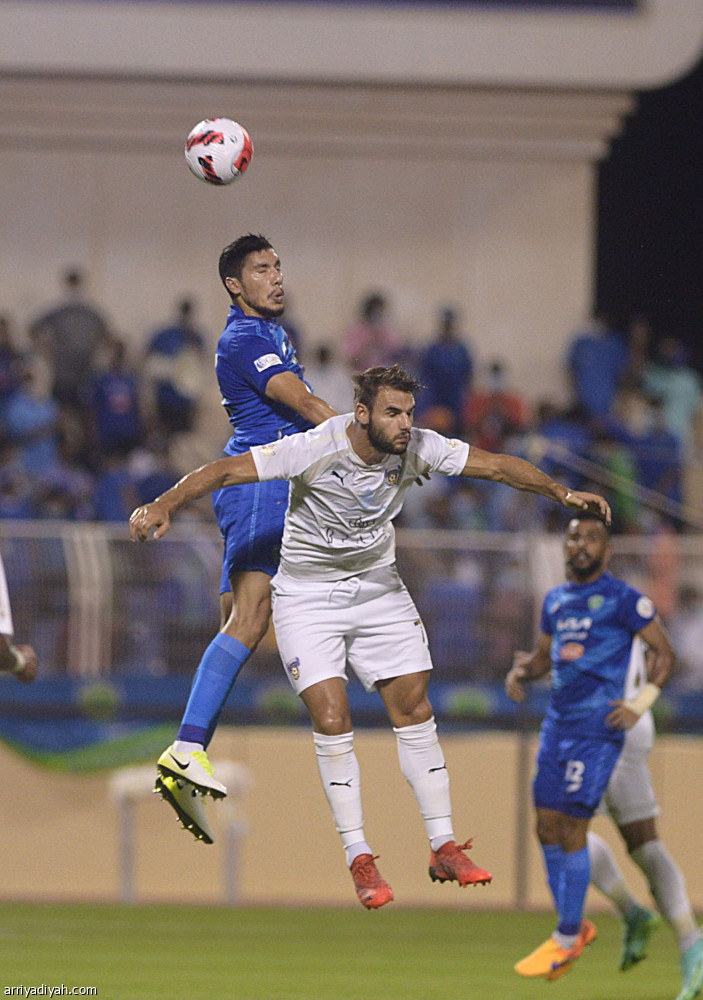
(251, 519)
(573, 772)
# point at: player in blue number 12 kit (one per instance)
(266, 398)
(587, 631)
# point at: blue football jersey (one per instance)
(249, 353)
(592, 627)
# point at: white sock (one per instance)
(565, 941)
(606, 876)
(352, 851)
(668, 889)
(422, 763)
(339, 772)
(183, 746)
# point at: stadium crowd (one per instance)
(90, 429)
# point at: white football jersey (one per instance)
(642, 733)
(338, 522)
(636, 677)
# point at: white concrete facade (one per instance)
(459, 172)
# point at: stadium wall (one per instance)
(61, 834)
(478, 197)
(444, 155)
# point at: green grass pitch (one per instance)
(176, 953)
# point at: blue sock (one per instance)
(576, 875)
(217, 672)
(554, 863)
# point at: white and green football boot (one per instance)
(692, 968)
(639, 925)
(193, 767)
(189, 805)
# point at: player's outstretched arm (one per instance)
(156, 516)
(287, 388)
(522, 475)
(18, 660)
(528, 667)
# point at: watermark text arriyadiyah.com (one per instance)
(50, 991)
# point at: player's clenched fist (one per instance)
(151, 515)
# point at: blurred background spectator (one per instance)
(669, 378)
(495, 412)
(175, 358)
(113, 399)
(11, 363)
(330, 379)
(686, 629)
(597, 364)
(372, 340)
(446, 370)
(70, 336)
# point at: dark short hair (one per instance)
(234, 255)
(372, 303)
(589, 515)
(368, 383)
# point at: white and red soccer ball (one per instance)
(218, 150)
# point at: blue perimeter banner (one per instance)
(84, 726)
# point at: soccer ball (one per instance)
(218, 150)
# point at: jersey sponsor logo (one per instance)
(340, 475)
(571, 651)
(645, 608)
(293, 668)
(360, 522)
(267, 361)
(595, 602)
(392, 476)
(574, 624)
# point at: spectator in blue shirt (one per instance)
(598, 361)
(114, 403)
(446, 370)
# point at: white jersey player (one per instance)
(338, 600)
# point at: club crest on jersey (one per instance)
(293, 668)
(595, 602)
(392, 476)
(645, 608)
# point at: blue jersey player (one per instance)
(587, 631)
(266, 398)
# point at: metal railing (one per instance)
(97, 605)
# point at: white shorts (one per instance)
(368, 622)
(630, 794)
